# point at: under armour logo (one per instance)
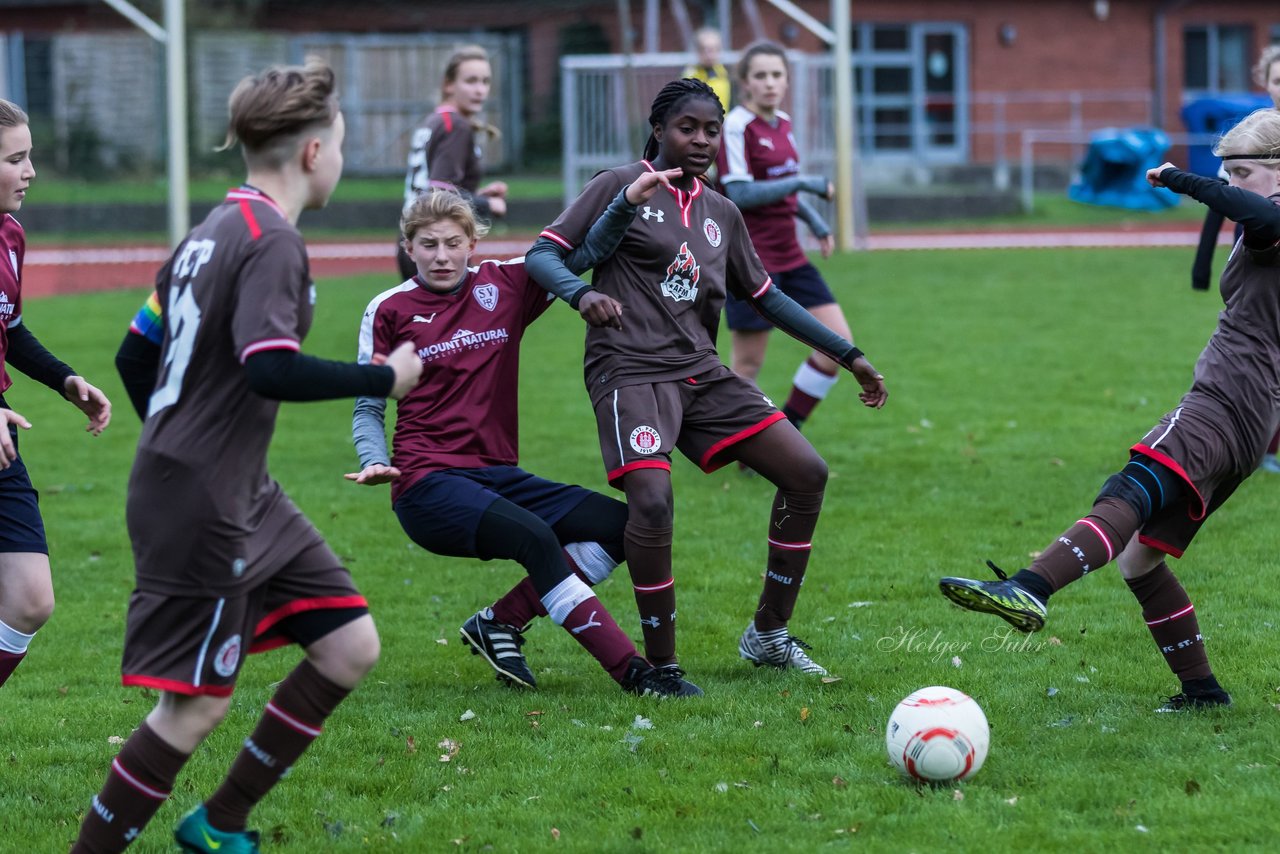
(417, 318)
(591, 621)
(651, 213)
(131, 835)
(651, 622)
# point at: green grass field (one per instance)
(1018, 380)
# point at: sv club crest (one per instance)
(681, 282)
(486, 295)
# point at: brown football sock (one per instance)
(139, 782)
(1172, 620)
(649, 560)
(290, 722)
(791, 525)
(1091, 543)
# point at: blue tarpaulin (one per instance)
(1115, 167)
(1216, 116)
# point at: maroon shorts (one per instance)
(703, 417)
(1186, 442)
(195, 645)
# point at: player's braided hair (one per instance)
(668, 100)
(11, 115)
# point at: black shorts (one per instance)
(21, 526)
(804, 284)
(442, 511)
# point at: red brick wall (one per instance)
(1060, 44)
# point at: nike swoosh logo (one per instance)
(207, 841)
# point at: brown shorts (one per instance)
(703, 417)
(195, 645)
(1186, 442)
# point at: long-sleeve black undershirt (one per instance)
(28, 355)
(273, 374)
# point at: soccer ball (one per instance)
(938, 734)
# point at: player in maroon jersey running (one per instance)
(26, 583)
(1192, 461)
(445, 150)
(225, 563)
(760, 171)
(657, 382)
(455, 484)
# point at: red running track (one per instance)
(76, 270)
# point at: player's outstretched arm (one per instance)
(784, 313)
(28, 355)
(1259, 216)
(753, 194)
(290, 375)
(556, 268)
(368, 431)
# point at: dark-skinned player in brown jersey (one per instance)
(656, 380)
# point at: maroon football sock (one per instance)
(139, 782)
(594, 628)
(1089, 544)
(1172, 621)
(290, 722)
(9, 662)
(649, 561)
(791, 525)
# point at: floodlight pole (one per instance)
(173, 35)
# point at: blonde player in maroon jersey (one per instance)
(445, 150)
(1199, 453)
(760, 172)
(455, 484)
(225, 563)
(26, 583)
(656, 380)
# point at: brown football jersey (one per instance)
(239, 284)
(670, 272)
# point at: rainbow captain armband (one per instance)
(147, 322)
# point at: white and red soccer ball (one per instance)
(938, 734)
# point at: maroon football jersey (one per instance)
(464, 412)
(752, 149)
(13, 244)
(670, 271)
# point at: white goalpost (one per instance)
(173, 35)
